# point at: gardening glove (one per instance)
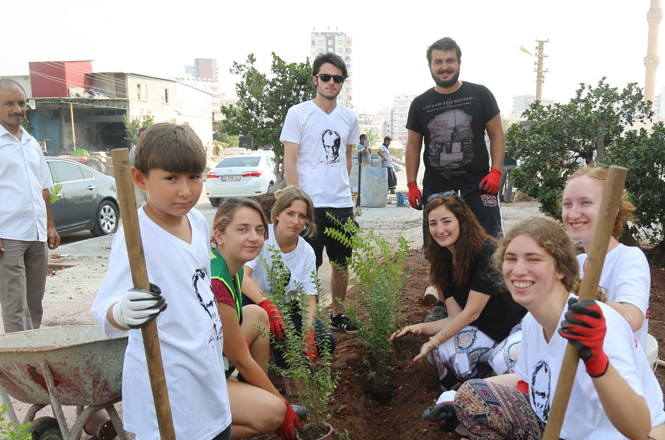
(415, 198)
(585, 328)
(490, 184)
(275, 316)
(443, 413)
(288, 429)
(310, 346)
(138, 307)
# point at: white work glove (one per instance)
(138, 307)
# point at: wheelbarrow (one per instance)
(69, 365)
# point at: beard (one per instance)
(445, 84)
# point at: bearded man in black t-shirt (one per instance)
(452, 119)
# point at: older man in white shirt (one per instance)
(26, 224)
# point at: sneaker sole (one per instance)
(351, 332)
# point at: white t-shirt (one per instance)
(190, 333)
(539, 365)
(300, 262)
(322, 139)
(626, 277)
(24, 176)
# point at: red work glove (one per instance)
(490, 184)
(415, 198)
(585, 328)
(288, 429)
(310, 347)
(275, 316)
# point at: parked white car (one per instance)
(246, 175)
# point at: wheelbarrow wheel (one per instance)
(45, 428)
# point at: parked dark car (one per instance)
(88, 198)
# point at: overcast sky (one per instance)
(588, 39)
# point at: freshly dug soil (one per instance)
(416, 385)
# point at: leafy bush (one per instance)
(557, 139)
(643, 153)
(10, 432)
(317, 380)
(380, 274)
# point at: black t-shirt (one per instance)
(501, 313)
(453, 128)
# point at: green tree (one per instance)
(133, 125)
(557, 139)
(643, 153)
(263, 101)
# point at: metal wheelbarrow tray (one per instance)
(69, 365)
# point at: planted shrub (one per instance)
(316, 382)
(379, 272)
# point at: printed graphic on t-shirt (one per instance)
(540, 388)
(201, 275)
(451, 141)
(331, 142)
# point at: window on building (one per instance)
(340, 42)
(320, 50)
(320, 42)
(340, 50)
(142, 91)
(165, 96)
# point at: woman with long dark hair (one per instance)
(483, 326)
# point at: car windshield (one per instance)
(239, 161)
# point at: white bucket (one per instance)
(652, 351)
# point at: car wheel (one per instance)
(45, 428)
(106, 221)
(269, 190)
(214, 202)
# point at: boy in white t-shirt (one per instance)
(169, 162)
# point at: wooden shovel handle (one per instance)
(594, 267)
(153, 354)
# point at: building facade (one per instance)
(340, 44)
(401, 106)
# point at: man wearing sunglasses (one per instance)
(314, 132)
(452, 119)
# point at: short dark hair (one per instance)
(387, 138)
(331, 58)
(142, 129)
(445, 43)
(12, 82)
(170, 147)
(363, 136)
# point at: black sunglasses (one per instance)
(325, 78)
(444, 195)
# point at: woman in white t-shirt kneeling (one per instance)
(287, 253)
(615, 393)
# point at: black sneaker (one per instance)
(342, 322)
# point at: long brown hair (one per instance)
(469, 244)
(626, 208)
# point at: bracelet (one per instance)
(434, 339)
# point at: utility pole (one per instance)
(540, 71)
(651, 61)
